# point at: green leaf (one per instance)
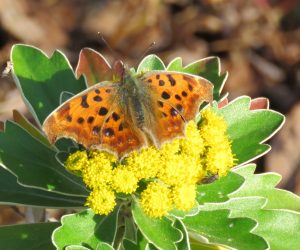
(259, 200)
(76, 247)
(184, 244)
(218, 228)
(264, 185)
(33, 131)
(130, 228)
(150, 62)
(248, 129)
(64, 96)
(27, 236)
(35, 164)
(175, 64)
(104, 246)
(181, 214)
(219, 190)
(160, 232)
(100, 246)
(141, 242)
(13, 193)
(41, 79)
(196, 245)
(86, 229)
(280, 228)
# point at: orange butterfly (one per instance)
(123, 116)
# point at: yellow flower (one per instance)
(192, 145)
(99, 170)
(218, 156)
(174, 170)
(184, 197)
(156, 200)
(178, 169)
(124, 180)
(220, 159)
(101, 200)
(212, 128)
(145, 164)
(77, 161)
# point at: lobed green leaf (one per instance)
(218, 228)
(258, 199)
(86, 229)
(280, 228)
(41, 80)
(248, 129)
(263, 185)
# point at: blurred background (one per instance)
(258, 42)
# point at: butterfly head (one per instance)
(122, 73)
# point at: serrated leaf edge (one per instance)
(229, 216)
(63, 218)
(256, 111)
(49, 58)
(253, 167)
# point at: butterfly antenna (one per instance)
(114, 53)
(149, 48)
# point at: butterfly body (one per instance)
(127, 115)
(134, 98)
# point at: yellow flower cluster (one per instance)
(168, 175)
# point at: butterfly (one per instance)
(137, 110)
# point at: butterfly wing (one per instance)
(95, 119)
(176, 98)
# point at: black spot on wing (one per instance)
(173, 112)
(165, 95)
(80, 120)
(115, 116)
(178, 97)
(97, 98)
(69, 118)
(90, 119)
(161, 83)
(108, 132)
(84, 103)
(179, 107)
(102, 111)
(96, 130)
(172, 80)
(184, 94)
